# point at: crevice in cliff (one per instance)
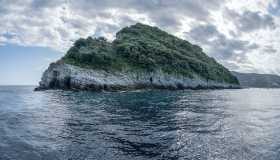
(67, 82)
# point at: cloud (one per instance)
(40, 4)
(250, 21)
(196, 9)
(269, 49)
(163, 13)
(218, 44)
(56, 23)
(237, 34)
(274, 7)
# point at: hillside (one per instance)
(148, 56)
(254, 80)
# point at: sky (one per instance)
(244, 35)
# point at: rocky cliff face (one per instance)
(64, 76)
(141, 56)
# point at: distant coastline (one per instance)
(254, 80)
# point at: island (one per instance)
(140, 57)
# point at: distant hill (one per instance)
(258, 80)
(141, 56)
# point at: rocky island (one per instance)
(140, 57)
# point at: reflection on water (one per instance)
(157, 124)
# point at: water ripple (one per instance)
(154, 124)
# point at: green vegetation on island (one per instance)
(144, 48)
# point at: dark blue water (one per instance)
(140, 125)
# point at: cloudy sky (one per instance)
(242, 35)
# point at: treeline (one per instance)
(145, 48)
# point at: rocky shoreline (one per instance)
(64, 76)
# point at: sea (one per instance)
(238, 124)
